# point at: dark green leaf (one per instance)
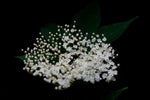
(51, 27)
(114, 31)
(88, 19)
(20, 57)
(114, 94)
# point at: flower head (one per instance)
(75, 56)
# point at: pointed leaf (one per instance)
(114, 31)
(50, 27)
(88, 19)
(114, 94)
(21, 57)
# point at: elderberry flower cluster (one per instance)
(69, 55)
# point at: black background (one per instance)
(22, 24)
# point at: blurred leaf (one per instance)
(20, 57)
(114, 31)
(50, 27)
(88, 19)
(114, 94)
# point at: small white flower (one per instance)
(97, 77)
(104, 76)
(69, 49)
(72, 30)
(66, 38)
(73, 26)
(104, 39)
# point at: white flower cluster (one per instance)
(70, 55)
